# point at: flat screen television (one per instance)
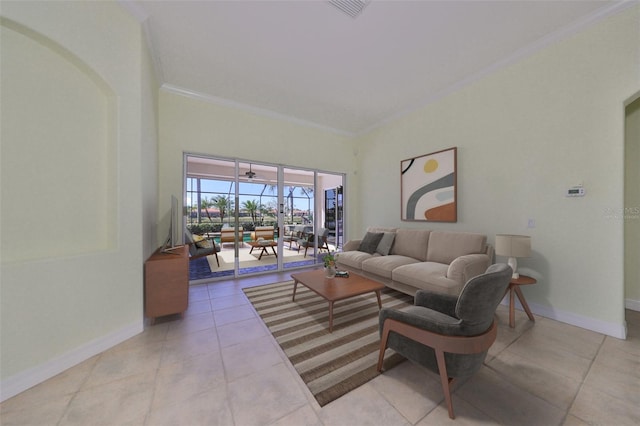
(172, 241)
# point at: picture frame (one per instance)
(429, 187)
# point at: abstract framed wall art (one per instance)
(428, 187)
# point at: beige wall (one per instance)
(72, 251)
(631, 212)
(197, 126)
(524, 135)
(149, 156)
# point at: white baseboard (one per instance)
(634, 305)
(618, 331)
(24, 380)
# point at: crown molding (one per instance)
(536, 46)
(170, 88)
(140, 14)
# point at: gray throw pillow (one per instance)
(370, 242)
(384, 246)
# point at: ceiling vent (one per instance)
(352, 8)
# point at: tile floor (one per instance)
(219, 366)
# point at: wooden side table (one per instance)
(514, 287)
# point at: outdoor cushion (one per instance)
(264, 232)
(200, 241)
(204, 243)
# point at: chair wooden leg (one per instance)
(383, 345)
(217, 260)
(445, 381)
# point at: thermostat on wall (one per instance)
(575, 191)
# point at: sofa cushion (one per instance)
(411, 243)
(352, 259)
(370, 242)
(384, 246)
(446, 246)
(427, 276)
(383, 266)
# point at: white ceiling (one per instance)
(309, 62)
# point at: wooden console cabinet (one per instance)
(166, 283)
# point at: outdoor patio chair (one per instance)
(228, 235)
(295, 234)
(264, 232)
(200, 246)
(308, 241)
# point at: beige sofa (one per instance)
(440, 261)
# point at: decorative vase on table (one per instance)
(330, 265)
(330, 271)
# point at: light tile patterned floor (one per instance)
(220, 366)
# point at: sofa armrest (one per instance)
(463, 268)
(445, 303)
(351, 245)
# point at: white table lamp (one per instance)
(513, 246)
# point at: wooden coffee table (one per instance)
(334, 289)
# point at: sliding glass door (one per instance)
(297, 217)
(256, 218)
(262, 217)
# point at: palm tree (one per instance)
(223, 204)
(205, 203)
(266, 211)
(290, 197)
(252, 207)
(308, 191)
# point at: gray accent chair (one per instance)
(197, 249)
(447, 334)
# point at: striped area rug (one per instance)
(330, 364)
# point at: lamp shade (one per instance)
(513, 245)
